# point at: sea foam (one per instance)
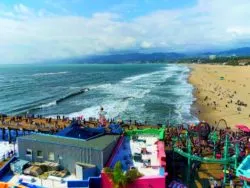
(131, 96)
(49, 73)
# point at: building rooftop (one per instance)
(20, 162)
(83, 133)
(143, 153)
(98, 143)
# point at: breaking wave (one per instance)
(48, 105)
(144, 93)
(134, 95)
(49, 73)
(39, 105)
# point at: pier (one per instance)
(12, 126)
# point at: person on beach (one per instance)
(215, 184)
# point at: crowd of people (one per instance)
(204, 145)
(31, 121)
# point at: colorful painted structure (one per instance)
(94, 182)
(143, 150)
(243, 171)
(226, 160)
(4, 169)
(160, 133)
(75, 148)
(64, 148)
(7, 185)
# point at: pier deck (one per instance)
(27, 125)
(34, 124)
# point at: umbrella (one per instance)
(246, 130)
(243, 127)
(240, 126)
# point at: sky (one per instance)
(34, 31)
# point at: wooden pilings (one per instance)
(3, 133)
(9, 135)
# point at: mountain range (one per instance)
(133, 57)
(154, 57)
(233, 52)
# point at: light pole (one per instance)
(214, 138)
(169, 115)
(226, 147)
(189, 147)
(14, 143)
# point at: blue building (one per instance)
(77, 149)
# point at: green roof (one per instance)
(98, 143)
(149, 131)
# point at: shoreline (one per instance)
(221, 94)
(193, 106)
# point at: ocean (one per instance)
(142, 92)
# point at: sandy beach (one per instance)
(222, 92)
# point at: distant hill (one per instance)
(168, 57)
(233, 52)
(131, 57)
(160, 57)
(237, 52)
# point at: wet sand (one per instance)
(222, 92)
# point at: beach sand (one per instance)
(222, 92)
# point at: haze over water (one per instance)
(142, 92)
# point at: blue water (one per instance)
(148, 92)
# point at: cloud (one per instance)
(29, 35)
(239, 30)
(22, 9)
(105, 16)
(146, 44)
(8, 14)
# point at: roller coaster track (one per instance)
(205, 159)
(221, 120)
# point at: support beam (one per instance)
(237, 152)
(9, 135)
(3, 133)
(225, 158)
